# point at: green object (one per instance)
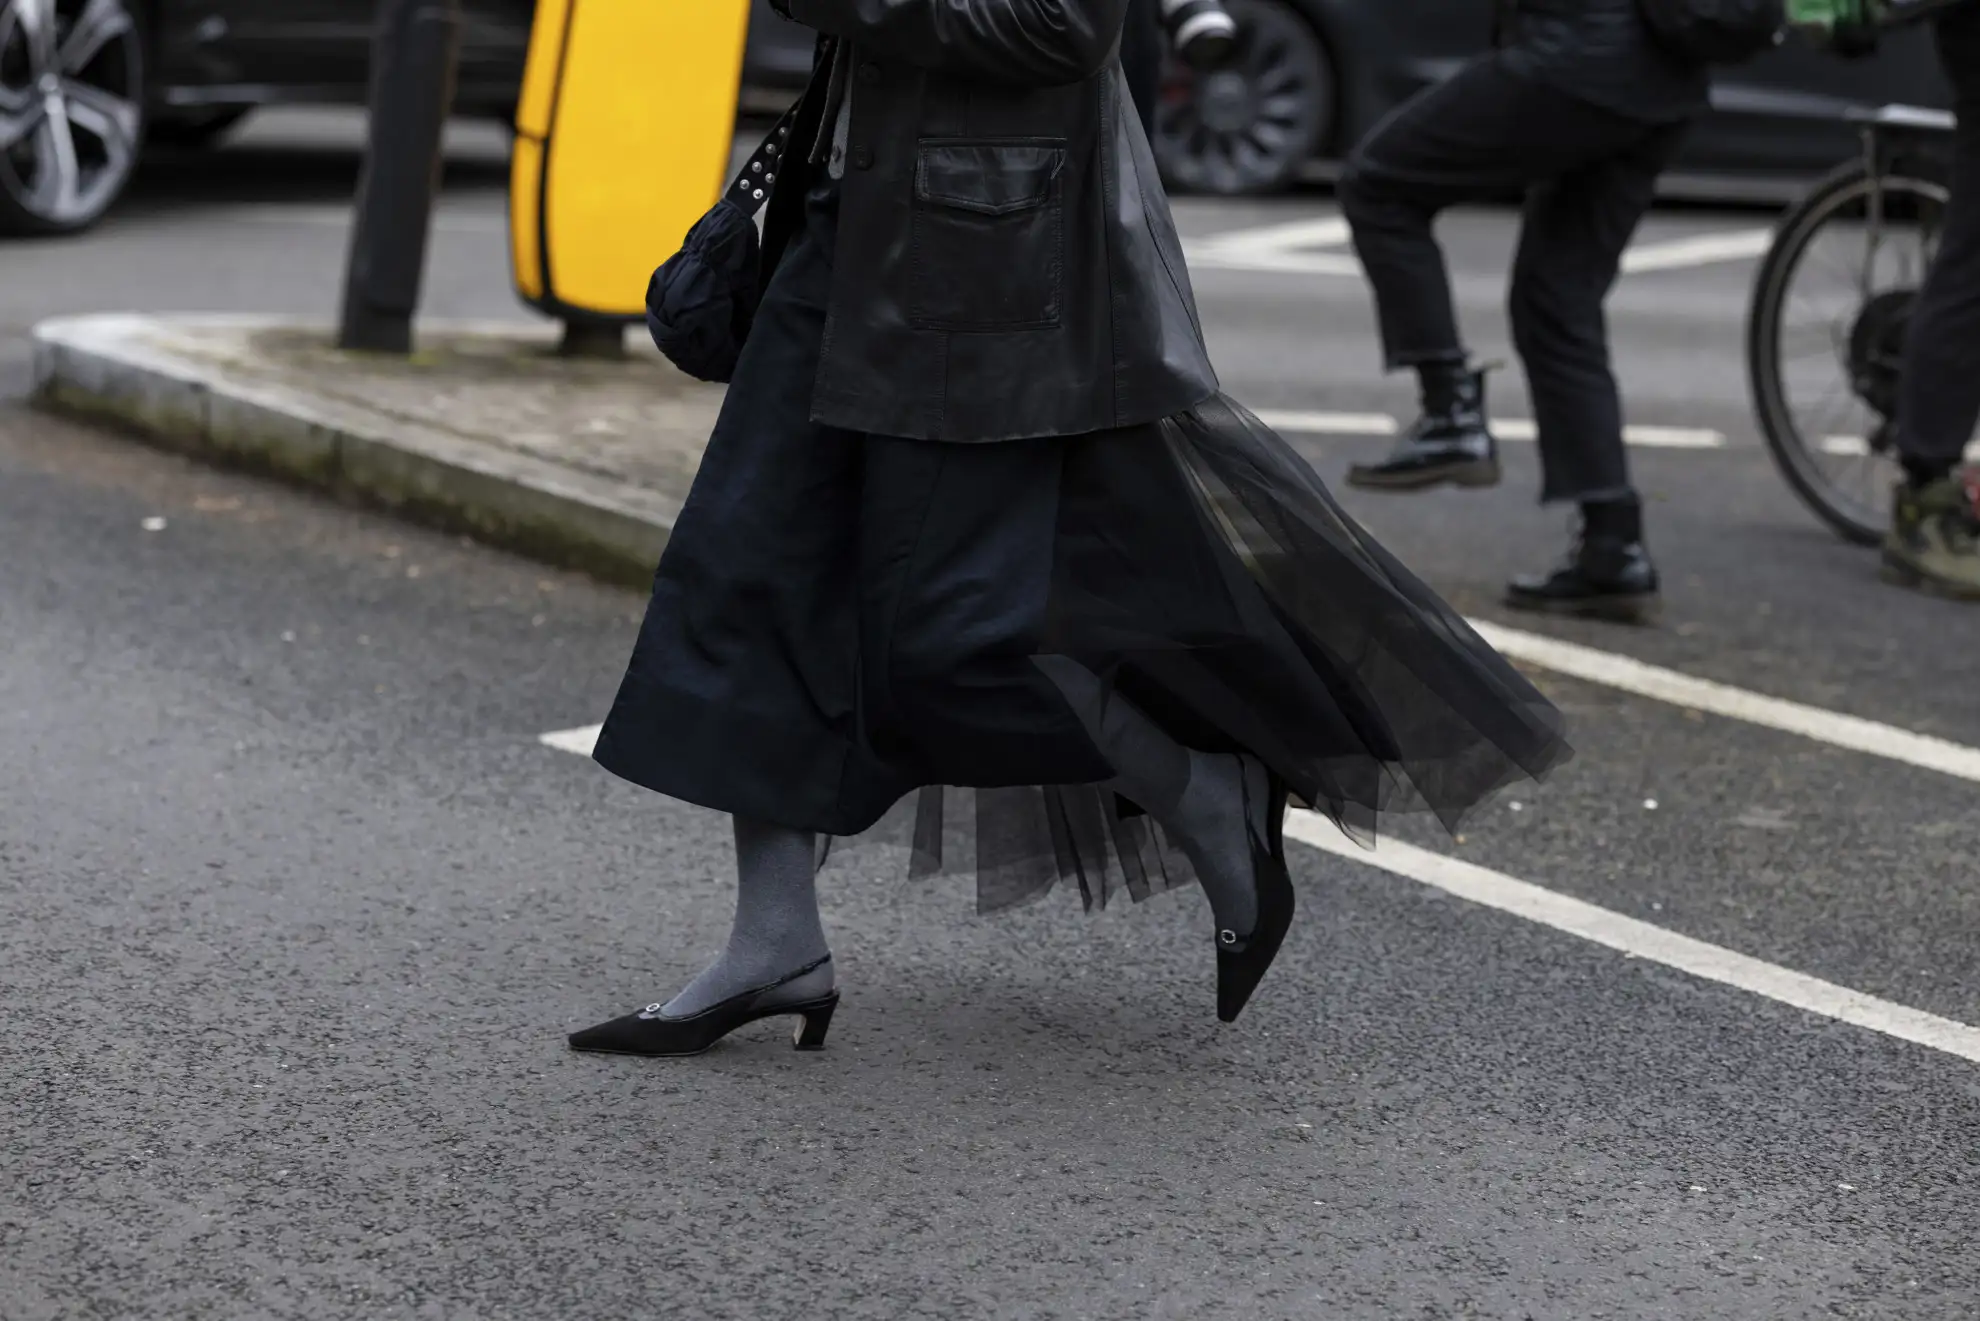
(1827, 15)
(1934, 542)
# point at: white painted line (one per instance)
(1505, 428)
(1329, 424)
(579, 741)
(1641, 940)
(1315, 232)
(1856, 447)
(1674, 438)
(1634, 676)
(1286, 248)
(1704, 250)
(1205, 258)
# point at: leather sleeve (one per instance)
(1036, 42)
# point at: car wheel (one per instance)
(71, 111)
(1251, 125)
(194, 130)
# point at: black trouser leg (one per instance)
(1490, 132)
(1571, 245)
(1939, 404)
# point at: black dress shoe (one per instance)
(1451, 442)
(1602, 578)
(650, 1033)
(1243, 960)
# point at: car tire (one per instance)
(1251, 126)
(72, 111)
(194, 130)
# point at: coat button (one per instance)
(869, 74)
(862, 159)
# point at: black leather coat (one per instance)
(1601, 52)
(1006, 264)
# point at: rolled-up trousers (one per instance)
(1939, 405)
(1587, 175)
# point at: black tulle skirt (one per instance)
(1308, 645)
(843, 632)
(1200, 567)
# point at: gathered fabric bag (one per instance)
(702, 300)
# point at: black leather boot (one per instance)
(1607, 574)
(1451, 442)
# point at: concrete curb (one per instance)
(123, 369)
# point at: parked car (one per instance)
(80, 100)
(1312, 76)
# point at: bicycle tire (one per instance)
(1793, 237)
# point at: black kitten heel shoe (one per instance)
(1243, 960)
(651, 1034)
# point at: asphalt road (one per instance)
(295, 909)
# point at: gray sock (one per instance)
(1198, 797)
(777, 928)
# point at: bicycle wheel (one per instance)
(1825, 338)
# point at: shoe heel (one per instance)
(813, 1023)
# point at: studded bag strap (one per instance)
(752, 187)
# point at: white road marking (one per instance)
(1703, 250)
(1812, 722)
(579, 741)
(1675, 438)
(1302, 247)
(1506, 428)
(1856, 447)
(1202, 257)
(1313, 232)
(1641, 940)
(1329, 424)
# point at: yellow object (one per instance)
(623, 133)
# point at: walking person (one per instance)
(1934, 539)
(1579, 108)
(975, 514)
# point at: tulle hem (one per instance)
(1284, 631)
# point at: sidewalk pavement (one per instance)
(484, 430)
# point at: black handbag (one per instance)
(700, 303)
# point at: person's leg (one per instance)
(715, 707)
(1576, 229)
(1198, 798)
(1483, 133)
(958, 547)
(777, 928)
(1571, 246)
(1935, 527)
(1421, 159)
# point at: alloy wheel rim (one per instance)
(1236, 128)
(70, 114)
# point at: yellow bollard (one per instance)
(623, 133)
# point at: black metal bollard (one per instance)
(414, 55)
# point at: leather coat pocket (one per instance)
(988, 235)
